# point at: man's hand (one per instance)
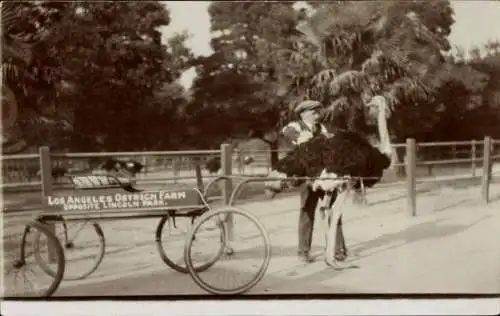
(329, 135)
(304, 137)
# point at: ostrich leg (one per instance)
(340, 248)
(333, 215)
(326, 222)
(324, 206)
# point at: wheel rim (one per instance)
(209, 285)
(70, 244)
(173, 255)
(24, 266)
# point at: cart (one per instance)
(99, 198)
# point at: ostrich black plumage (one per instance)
(337, 163)
(115, 165)
(345, 154)
(213, 165)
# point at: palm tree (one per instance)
(346, 54)
(349, 51)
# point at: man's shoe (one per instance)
(306, 258)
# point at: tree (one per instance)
(104, 60)
(488, 112)
(117, 61)
(30, 78)
(238, 82)
(349, 50)
(492, 47)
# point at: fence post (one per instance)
(411, 166)
(492, 155)
(45, 171)
(227, 186)
(485, 183)
(145, 164)
(473, 155)
(46, 179)
(175, 168)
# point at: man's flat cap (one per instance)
(307, 105)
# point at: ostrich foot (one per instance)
(337, 261)
(337, 265)
(335, 251)
(341, 254)
(336, 257)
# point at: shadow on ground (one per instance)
(415, 233)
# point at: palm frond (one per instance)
(407, 89)
(309, 34)
(9, 14)
(338, 105)
(348, 82)
(322, 78)
(349, 15)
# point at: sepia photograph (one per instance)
(271, 150)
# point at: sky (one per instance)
(476, 22)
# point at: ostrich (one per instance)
(213, 165)
(337, 163)
(114, 165)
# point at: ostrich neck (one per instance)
(383, 133)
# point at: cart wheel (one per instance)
(20, 264)
(250, 251)
(84, 247)
(170, 241)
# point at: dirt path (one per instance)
(450, 247)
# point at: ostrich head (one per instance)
(133, 166)
(378, 113)
(115, 165)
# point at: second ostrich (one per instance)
(336, 164)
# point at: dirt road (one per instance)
(450, 247)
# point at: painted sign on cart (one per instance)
(124, 200)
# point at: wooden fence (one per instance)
(487, 158)
(475, 153)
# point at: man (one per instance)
(297, 132)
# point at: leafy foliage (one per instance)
(238, 83)
(350, 51)
(240, 76)
(28, 68)
(96, 60)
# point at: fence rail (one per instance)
(132, 154)
(416, 161)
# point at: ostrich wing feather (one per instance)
(345, 154)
